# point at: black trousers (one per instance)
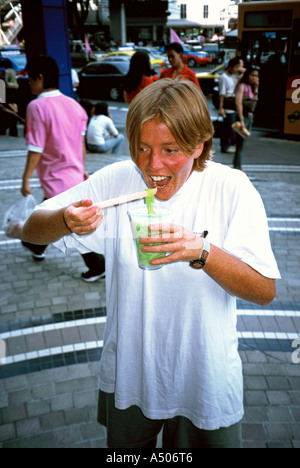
(227, 134)
(94, 262)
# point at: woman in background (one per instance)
(139, 75)
(102, 135)
(246, 89)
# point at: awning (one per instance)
(183, 23)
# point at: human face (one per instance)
(175, 59)
(234, 70)
(162, 162)
(254, 77)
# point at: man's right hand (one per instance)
(26, 190)
(83, 218)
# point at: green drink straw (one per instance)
(150, 201)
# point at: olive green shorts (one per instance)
(131, 429)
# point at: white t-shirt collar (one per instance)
(53, 93)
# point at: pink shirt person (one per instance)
(53, 131)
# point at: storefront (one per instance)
(192, 29)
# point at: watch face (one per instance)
(197, 264)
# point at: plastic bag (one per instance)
(17, 215)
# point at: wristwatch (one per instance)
(200, 262)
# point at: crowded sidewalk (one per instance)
(52, 323)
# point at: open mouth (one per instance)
(160, 182)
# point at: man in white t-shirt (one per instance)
(102, 135)
(170, 355)
(227, 84)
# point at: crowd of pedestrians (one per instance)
(238, 96)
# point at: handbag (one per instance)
(249, 105)
(229, 103)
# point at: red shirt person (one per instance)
(139, 75)
(178, 69)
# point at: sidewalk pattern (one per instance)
(52, 323)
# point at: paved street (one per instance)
(52, 323)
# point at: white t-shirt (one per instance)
(75, 78)
(100, 128)
(227, 85)
(170, 344)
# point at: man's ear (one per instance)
(198, 151)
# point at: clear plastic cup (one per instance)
(140, 221)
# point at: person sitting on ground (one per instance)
(89, 108)
(102, 135)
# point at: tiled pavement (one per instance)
(52, 323)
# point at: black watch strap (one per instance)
(200, 262)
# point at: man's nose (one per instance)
(155, 161)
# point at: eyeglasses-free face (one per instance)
(161, 160)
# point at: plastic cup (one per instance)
(140, 221)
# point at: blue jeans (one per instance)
(112, 144)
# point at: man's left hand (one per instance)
(179, 242)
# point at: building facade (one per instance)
(120, 21)
(202, 17)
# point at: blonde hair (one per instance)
(182, 107)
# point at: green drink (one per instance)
(140, 221)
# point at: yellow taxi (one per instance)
(208, 80)
(157, 64)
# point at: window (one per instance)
(205, 11)
(107, 69)
(91, 70)
(183, 11)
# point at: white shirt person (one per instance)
(102, 135)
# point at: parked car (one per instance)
(193, 59)
(210, 79)
(215, 51)
(103, 80)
